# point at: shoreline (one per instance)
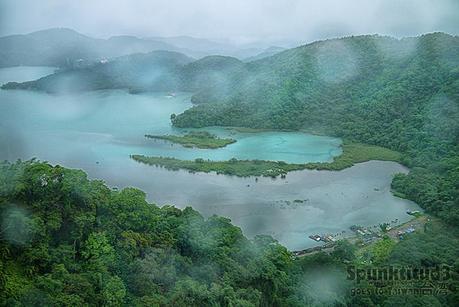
(416, 223)
(352, 153)
(201, 140)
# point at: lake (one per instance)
(97, 131)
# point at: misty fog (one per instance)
(243, 22)
(229, 152)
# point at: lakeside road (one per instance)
(417, 223)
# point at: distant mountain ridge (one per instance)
(193, 43)
(266, 53)
(322, 64)
(67, 48)
(156, 70)
(62, 47)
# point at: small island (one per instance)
(352, 153)
(195, 139)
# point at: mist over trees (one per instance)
(66, 240)
(66, 48)
(71, 241)
(402, 95)
(399, 94)
(88, 244)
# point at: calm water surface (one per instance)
(98, 131)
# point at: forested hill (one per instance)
(294, 82)
(316, 84)
(156, 70)
(399, 94)
(68, 241)
(212, 74)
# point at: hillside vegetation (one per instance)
(136, 72)
(399, 94)
(352, 153)
(69, 241)
(198, 139)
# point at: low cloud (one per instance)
(240, 21)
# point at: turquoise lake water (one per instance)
(97, 132)
(117, 122)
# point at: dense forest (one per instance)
(198, 139)
(155, 70)
(69, 241)
(398, 94)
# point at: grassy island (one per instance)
(198, 139)
(352, 153)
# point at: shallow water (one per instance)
(112, 125)
(332, 201)
(98, 131)
(24, 73)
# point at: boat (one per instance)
(316, 238)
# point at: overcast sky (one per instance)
(236, 20)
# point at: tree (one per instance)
(113, 292)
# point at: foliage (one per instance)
(381, 250)
(352, 153)
(199, 139)
(398, 94)
(89, 245)
(82, 243)
(437, 245)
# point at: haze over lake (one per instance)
(97, 131)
